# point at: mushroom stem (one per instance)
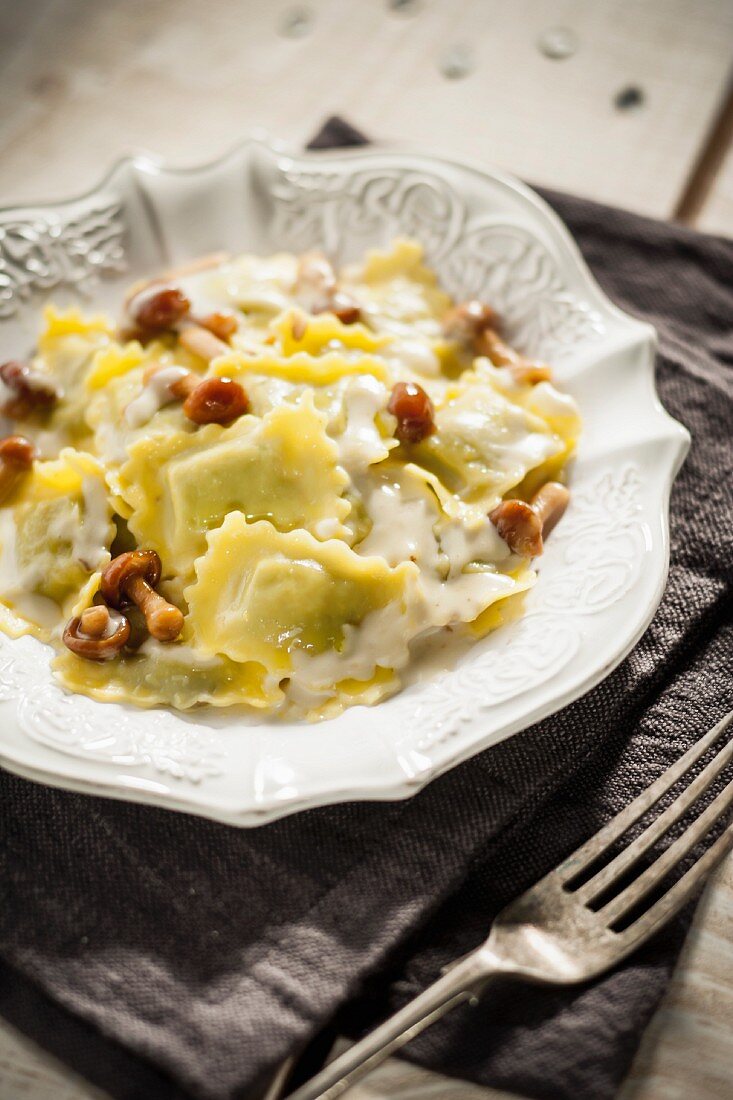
(317, 289)
(525, 526)
(98, 634)
(474, 324)
(163, 620)
(524, 371)
(94, 622)
(200, 341)
(550, 503)
(26, 390)
(223, 324)
(9, 477)
(16, 459)
(184, 386)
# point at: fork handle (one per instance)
(460, 983)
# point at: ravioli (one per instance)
(311, 463)
(261, 593)
(484, 445)
(282, 467)
(175, 675)
(55, 532)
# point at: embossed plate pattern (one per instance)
(600, 579)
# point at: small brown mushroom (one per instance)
(526, 372)
(525, 526)
(132, 578)
(17, 455)
(98, 634)
(475, 324)
(158, 307)
(207, 400)
(343, 306)
(316, 285)
(30, 390)
(216, 401)
(221, 323)
(200, 341)
(315, 277)
(467, 320)
(414, 411)
(550, 503)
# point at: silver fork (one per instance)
(550, 935)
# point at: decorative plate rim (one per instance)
(56, 768)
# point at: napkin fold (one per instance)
(165, 956)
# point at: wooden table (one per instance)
(625, 101)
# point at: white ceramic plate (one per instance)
(604, 570)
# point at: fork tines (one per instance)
(616, 871)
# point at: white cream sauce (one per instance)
(408, 525)
(153, 396)
(379, 640)
(89, 542)
(360, 443)
(415, 355)
(550, 403)
(177, 653)
(85, 529)
(14, 587)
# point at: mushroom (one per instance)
(205, 401)
(17, 455)
(316, 286)
(345, 308)
(414, 411)
(216, 401)
(315, 278)
(526, 372)
(467, 320)
(201, 341)
(98, 634)
(30, 390)
(158, 307)
(222, 323)
(132, 578)
(524, 526)
(474, 324)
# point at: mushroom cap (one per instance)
(134, 563)
(414, 411)
(520, 527)
(97, 648)
(467, 320)
(158, 307)
(32, 389)
(18, 451)
(216, 401)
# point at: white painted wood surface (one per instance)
(84, 81)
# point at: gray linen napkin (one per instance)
(166, 956)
